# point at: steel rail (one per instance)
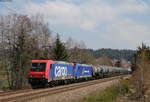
(14, 92)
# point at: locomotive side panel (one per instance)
(83, 71)
(61, 72)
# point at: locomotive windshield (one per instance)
(38, 67)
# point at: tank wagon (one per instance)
(108, 71)
(45, 73)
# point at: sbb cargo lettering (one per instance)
(60, 71)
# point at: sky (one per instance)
(117, 24)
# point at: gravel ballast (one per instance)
(77, 94)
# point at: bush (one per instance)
(124, 87)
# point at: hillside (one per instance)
(113, 53)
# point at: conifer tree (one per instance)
(59, 50)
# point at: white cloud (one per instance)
(86, 15)
(57, 12)
(89, 14)
(133, 33)
(132, 6)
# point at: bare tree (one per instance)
(42, 35)
(141, 76)
(22, 39)
(70, 43)
(104, 60)
(78, 52)
(17, 49)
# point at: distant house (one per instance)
(125, 64)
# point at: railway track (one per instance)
(14, 92)
(33, 94)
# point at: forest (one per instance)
(113, 53)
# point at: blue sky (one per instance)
(122, 24)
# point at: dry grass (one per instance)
(124, 98)
(110, 94)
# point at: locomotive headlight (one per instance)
(43, 76)
(31, 76)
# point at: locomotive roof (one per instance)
(117, 68)
(41, 60)
(85, 65)
(61, 62)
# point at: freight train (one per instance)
(46, 73)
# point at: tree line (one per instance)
(113, 53)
